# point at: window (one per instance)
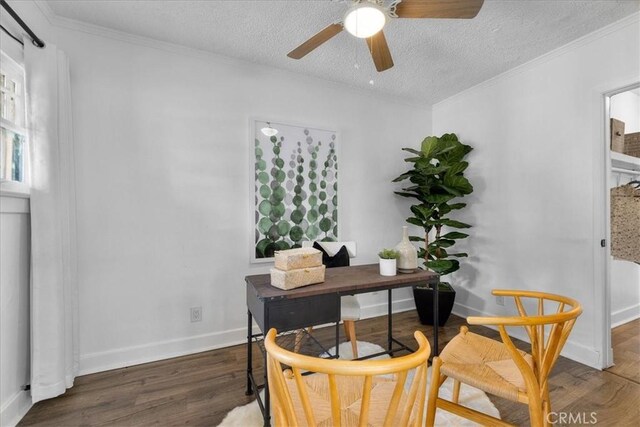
(13, 129)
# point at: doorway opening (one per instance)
(622, 257)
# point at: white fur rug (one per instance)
(249, 415)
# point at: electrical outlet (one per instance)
(196, 314)
(500, 300)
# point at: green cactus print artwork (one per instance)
(296, 186)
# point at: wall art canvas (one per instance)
(296, 187)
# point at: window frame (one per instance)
(13, 67)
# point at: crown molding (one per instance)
(632, 19)
(96, 30)
(46, 10)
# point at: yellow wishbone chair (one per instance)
(499, 368)
(347, 392)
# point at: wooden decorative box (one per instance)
(293, 259)
(292, 279)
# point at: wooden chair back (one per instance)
(547, 333)
(402, 408)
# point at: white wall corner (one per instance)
(573, 350)
(15, 409)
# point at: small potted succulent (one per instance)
(388, 260)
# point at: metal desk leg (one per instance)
(389, 323)
(436, 292)
(249, 390)
(267, 399)
(337, 340)
(338, 329)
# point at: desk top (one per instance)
(343, 280)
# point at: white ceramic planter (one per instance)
(387, 267)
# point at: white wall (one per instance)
(625, 292)
(163, 191)
(538, 134)
(14, 309)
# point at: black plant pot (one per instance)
(423, 298)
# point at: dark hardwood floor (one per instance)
(200, 389)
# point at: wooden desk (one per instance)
(319, 304)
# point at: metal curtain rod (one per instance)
(35, 39)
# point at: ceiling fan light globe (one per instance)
(365, 20)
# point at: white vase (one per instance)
(387, 267)
(408, 259)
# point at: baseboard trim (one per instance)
(152, 352)
(572, 350)
(626, 315)
(15, 409)
(136, 355)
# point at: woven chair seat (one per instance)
(485, 364)
(350, 390)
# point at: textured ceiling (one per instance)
(434, 58)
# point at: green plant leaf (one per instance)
(429, 169)
(457, 168)
(459, 183)
(412, 159)
(421, 253)
(388, 254)
(429, 146)
(456, 153)
(411, 150)
(455, 224)
(460, 255)
(404, 194)
(415, 221)
(444, 266)
(450, 190)
(443, 243)
(457, 206)
(455, 235)
(449, 137)
(416, 239)
(440, 253)
(403, 176)
(438, 198)
(421, 212)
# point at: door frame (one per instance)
(603, 188)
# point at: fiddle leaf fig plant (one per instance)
(436, 180)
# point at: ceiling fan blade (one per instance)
(315, 41)
(380, 51)
(461, 9)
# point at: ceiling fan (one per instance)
(366, 18)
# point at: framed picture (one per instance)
(295, 187)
